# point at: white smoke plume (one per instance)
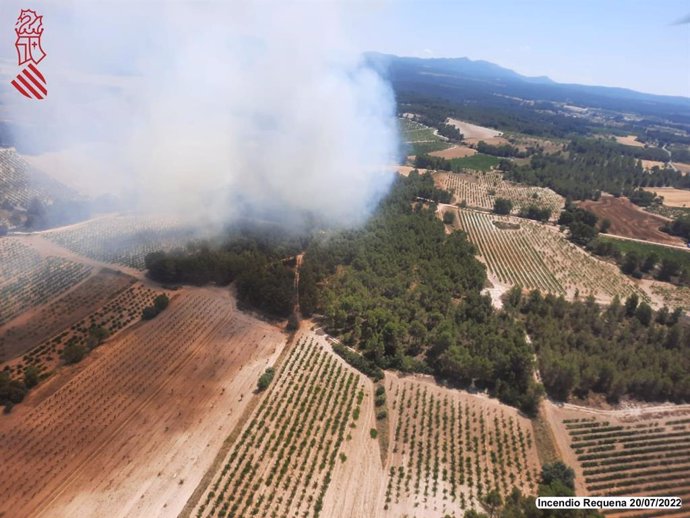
(209, 108)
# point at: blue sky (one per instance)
(633, 44)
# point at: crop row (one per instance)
(283, 461)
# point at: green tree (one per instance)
(503, 206)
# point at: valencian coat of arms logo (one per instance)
(30, 82)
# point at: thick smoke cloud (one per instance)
(211, 109)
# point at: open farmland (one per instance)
(449, 448)
(282, 463)
(480, 190)
(628, 220)
(132, 429)
(535, 256)
(473, 133)
(33, 327)
(421, 138)
(455, 152)
(634, 452)
(120, 312)
(629, 140)
(28, 280)
(673, 197)
(122, 240)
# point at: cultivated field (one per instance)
(448, 448)
(635, 452)
(673, 197)
(132, 429)
(31, 328)
(455, 152)
(480, 190)
(27, 279)
(473, 133)
(311, 447)
(120, 312)
(537, 256)
(122, 240)
(421, 138)
(629, 140)
(628, 220)
(282, 462)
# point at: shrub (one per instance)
(73, 353)
(374, 434)
(265, 379)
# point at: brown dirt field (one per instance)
(673, 197)
(629, 140)
(455, 152)
(473, 133)
(405, 170)
(648, 164)
(34, 326)
(132, 429)
(628, 220)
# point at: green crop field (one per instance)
(644, 249)
(478, 162)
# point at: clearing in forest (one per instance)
(472, 133)
(537, 256)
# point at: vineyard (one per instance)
(122, 239)
(62, 313)
(421, 138)
(535, 256)
(282, 463)
(449, 449)
(124, 310)
(128, 433)
(648, 455)
(480, 190)
(27, 279)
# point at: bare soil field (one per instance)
(34, 326)
(473, 133)
(405, 170)
(455, 152)
(635, 451)
(648, 164)
(673, 197)
(683, 168)
(132, 429)
(628, 220)
(630, 140)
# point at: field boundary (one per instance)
(213, 469)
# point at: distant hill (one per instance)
(467, 81)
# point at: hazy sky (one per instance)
(631, 43)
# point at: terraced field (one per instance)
(536, 256)
(480, 190)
